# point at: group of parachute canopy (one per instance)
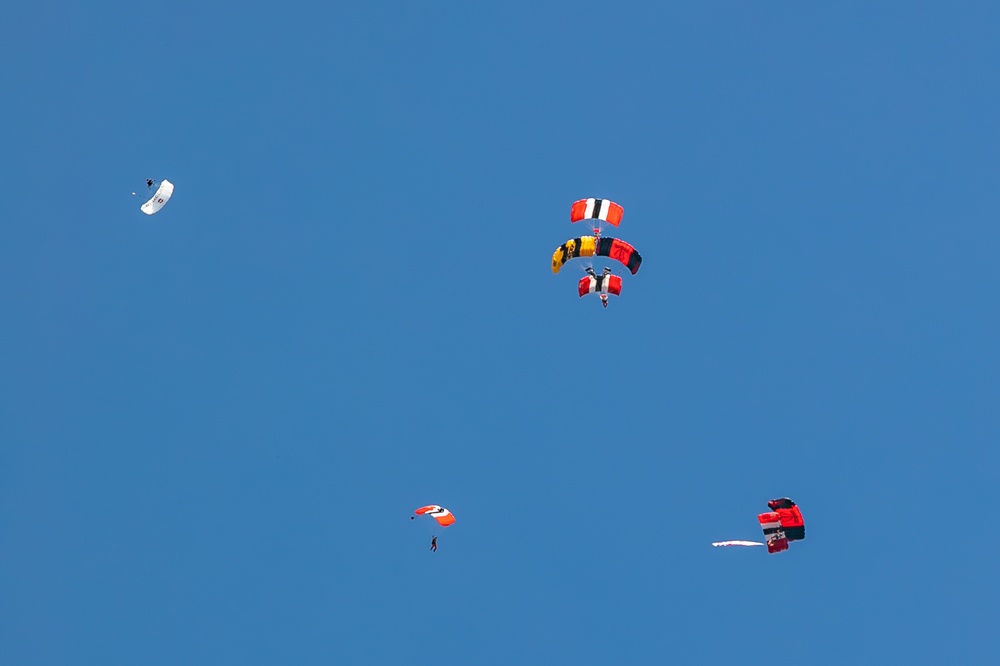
(781, 525)
(597, 210)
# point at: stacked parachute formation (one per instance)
(597, 210)
(782, 524)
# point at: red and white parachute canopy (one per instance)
(600, 284)
(439, 513)
(596, 209)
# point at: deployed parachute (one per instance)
(442, 515)
(591, 246)
(600, 284)
(159, 198)
(596, 209)
(781, 525)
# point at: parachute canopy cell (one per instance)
(584, 246)
(159, 199)
(621, 251)
(596, 209)
(439, 513)
(600, 284)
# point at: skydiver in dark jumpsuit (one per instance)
(434, 544)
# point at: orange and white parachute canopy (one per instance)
(439, 513)
(596, 209)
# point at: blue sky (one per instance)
(215, 422)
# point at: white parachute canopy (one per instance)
(160, 198)
(737, 543)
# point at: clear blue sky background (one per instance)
(215, 422)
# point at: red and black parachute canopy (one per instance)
(784, 523)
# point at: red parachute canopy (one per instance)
(619, 250)
(601, 284)
(596, 209)
(439, 513)
(782, 524)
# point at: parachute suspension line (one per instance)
(600, 225)
(583, 264)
